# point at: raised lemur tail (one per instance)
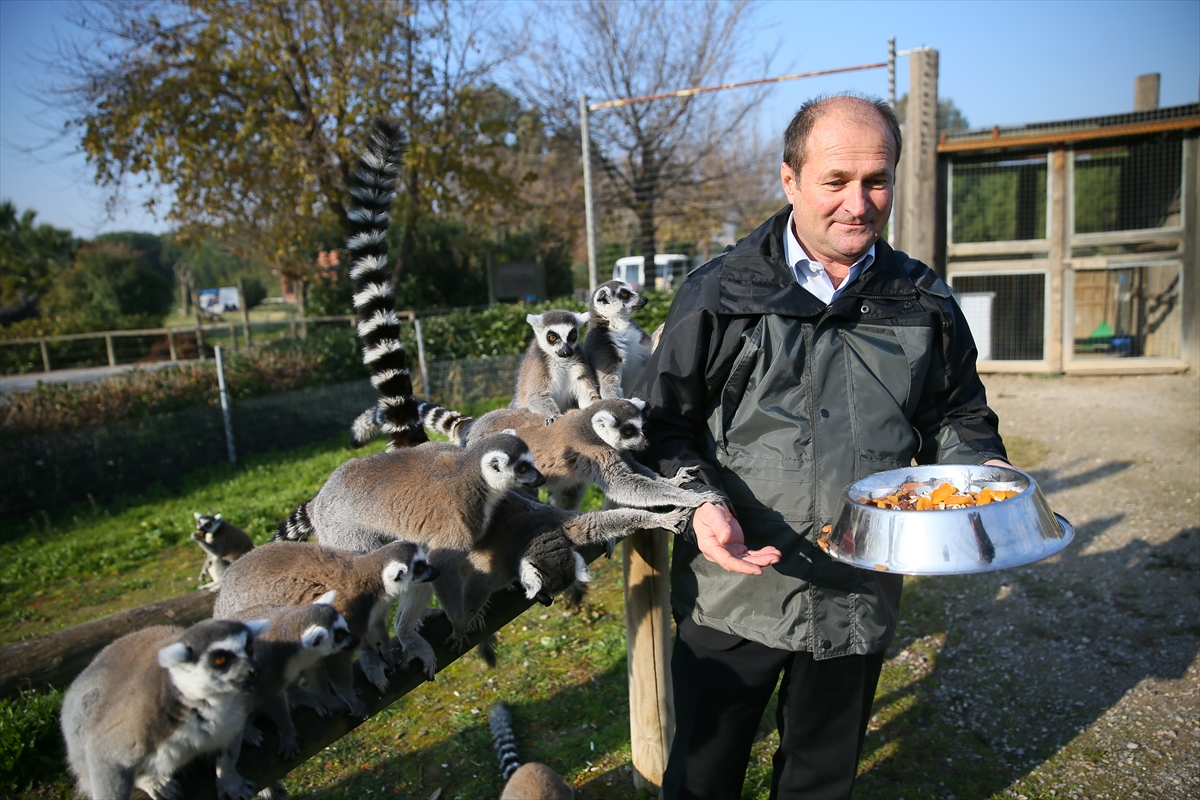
(297, 527)
(500, 721)
(445, 421)
(372, 187)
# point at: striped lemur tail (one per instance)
(372, 187)
(445, 421)
(500, 721)
(297, 527)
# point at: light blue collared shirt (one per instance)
(811, 275)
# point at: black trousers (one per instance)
(722, 686)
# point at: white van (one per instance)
(669, 271)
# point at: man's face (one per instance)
(843, 195)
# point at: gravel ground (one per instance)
(1081, 671)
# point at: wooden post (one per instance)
(171, 345)
(233, 338)
(918, 168)
(45, 354)
(199, 335)
(108, 345)
(647, 632)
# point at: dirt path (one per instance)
(1082, 671)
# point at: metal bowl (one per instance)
(999, 535)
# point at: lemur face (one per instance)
(556, 332)
(617, 298)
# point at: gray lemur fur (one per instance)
(536, 544)
(300, 639)
(583, 446)
(616, 348)
(222, 542)
(154, 700)
(295, 573)
(554, 376)
(437, 495)
(531, 781)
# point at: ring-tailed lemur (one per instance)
(294, 573)
(536, 544)
(616, 348)
(583, 446)
(222, 542)
(154, 700)
(553, 376)
(300, 638)
(372, 187)
(437, 495)
(531, 781)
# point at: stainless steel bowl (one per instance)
(1009, 533)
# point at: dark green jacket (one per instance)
(782, 402)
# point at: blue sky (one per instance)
(1003, 63)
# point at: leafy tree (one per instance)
(109, 281)
(254, 112)
(31, 256)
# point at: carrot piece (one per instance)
(939, 494)
(924, 503)
(957, 500)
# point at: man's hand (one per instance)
(721, 541)
(996, 462)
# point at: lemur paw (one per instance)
(234, 786)
(252, 736)
(549, 420)
(372, 665)
(289, 746)
(684, 475)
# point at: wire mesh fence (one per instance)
(53, 471)
(998, 199)
(1006, 314)
(1128, 311)
(1128, 187)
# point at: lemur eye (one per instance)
(572, 336)
(249, 648)
(628, 430)
(552, 337)
(624, 295)
(339, 635)
(522, 469)
(219, 659)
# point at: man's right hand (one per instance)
(720, 539)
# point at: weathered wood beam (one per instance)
(53, 660)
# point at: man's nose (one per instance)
(858, 200)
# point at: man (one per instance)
(808, 356)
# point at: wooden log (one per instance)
(647, 633)
(55, 659)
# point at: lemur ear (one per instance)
(327, 598)
(533, 319)
(581, 319)
(258, 626)
(217, 517)
(196, 514)
(172, 654)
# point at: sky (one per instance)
(1002, 63)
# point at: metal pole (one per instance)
(225, 406)
(892, 102)
(587, 192)
(421, 357)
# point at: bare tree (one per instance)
(661, 152)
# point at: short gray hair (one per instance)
(795, 138)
